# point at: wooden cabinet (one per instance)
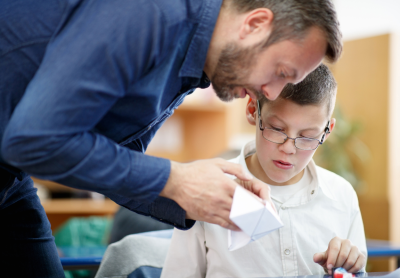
(368, 76)
(202, 127)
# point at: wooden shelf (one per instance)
(59, 211)
(203, 106)
(80, 206)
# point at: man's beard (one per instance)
(233, 70)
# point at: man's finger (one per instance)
(223, 222)
(229, 226)
(261, 189)
(257, 187)
(234, 169)
(222, 219)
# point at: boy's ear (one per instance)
(331, 126)
(251, 111)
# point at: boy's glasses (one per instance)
(278, 137)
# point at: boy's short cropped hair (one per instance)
(318, 88)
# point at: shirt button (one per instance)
(312, 192)
(283, 208)
(287, 252)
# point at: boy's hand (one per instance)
(341, 253)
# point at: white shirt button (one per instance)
(312, 192)
(283, 207)
(287, 252)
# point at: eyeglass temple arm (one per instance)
(259, 115)
(326, 131)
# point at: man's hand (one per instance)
(205, 192)
(341, 253)
(259, 188)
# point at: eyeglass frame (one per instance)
(326, 132)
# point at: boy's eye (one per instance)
(275, 128)
(310, 137)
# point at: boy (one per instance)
(319, 209)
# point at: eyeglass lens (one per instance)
(279, 138)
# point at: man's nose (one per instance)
(271, 91)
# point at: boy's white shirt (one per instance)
(314, 215)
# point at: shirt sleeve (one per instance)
(187, 254)
(356, 231)
(102, 48)
(163, 210)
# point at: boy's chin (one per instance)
(279, 180)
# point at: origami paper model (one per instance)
(255, 217)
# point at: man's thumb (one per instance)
(320, 258)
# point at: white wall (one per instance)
(365, 18)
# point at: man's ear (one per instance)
(331, 126)
(251, 111)
(257, 25)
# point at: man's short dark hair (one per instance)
(318, 88)
(293, 18)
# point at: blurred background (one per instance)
(363, 148)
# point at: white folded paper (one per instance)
(253, 216)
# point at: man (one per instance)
(86, 84)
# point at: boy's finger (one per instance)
(352, 258)
(320, 258)
(344, 253)
(332, 254)
(358, 265)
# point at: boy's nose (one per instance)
(288, 147)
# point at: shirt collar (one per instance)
(319, 183)
(196, 54)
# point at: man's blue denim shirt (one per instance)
(106, 75)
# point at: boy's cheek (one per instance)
(304, 157)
